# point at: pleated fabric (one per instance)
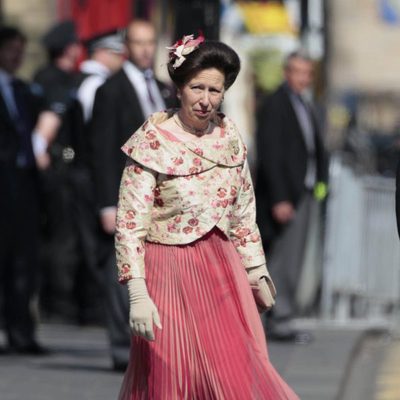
(212, 345)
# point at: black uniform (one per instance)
(69, 223)
(19, 217)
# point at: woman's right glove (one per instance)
(143, 312)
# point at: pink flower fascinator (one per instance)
(183, 47)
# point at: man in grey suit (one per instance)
(290, 171)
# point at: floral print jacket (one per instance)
(174, 192)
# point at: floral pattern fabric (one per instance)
(175, 192)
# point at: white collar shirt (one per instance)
(138, 81)
(98, 73)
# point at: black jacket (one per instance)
(282, 158)
(9, 139)
(60, 96)
(117, 114)
(9, 147)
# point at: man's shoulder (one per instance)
(277, 98)
(112, 85)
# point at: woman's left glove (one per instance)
(263, 288)
(143, 312)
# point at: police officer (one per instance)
(69, 251)
(106, 56)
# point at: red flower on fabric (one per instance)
(171, 171)
(178, 160)
(131, 225)
(138, 170)
(130, 214)
(197, 161)
(155, 145)
(125, 269)
(172, 228)
(187, 229)
(221, 192)
(198, 151)
(150, 135)
(242, 232)
(157, 191)
(193, 222)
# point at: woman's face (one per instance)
(201, 97)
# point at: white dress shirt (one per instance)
(137, 78)
(87, 90)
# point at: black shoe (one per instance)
(33, 349)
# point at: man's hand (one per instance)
(47, 125)
(108, 217)
(283, 212)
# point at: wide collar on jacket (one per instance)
(151, 148)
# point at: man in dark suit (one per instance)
(19, 203)
(121, 105)
(69, 230)
(290, 170)
(398, 198)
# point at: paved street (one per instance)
(343, 363)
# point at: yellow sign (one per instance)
(265, 17)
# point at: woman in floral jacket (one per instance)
(187, 245)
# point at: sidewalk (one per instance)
(79, 367)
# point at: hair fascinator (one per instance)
(183, 47)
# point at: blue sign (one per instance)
(389, 11)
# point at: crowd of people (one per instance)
(61, 165)
(60, 168)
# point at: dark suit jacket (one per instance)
(117, 114)
(282, 158)
(8, 134)
(398, 197)
(9, 147)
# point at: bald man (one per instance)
(121, 105)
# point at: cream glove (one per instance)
(143, 311)
(262, 286)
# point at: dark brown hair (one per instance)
(8, 33)
(210, 54)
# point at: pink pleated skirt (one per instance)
(212, 345)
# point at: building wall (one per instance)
(364, 50)
(33, 18)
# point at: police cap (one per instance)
(60, 36)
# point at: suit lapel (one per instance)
(4, 113)
(293, 116)
(129, 95)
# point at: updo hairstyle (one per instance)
(210, 54)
